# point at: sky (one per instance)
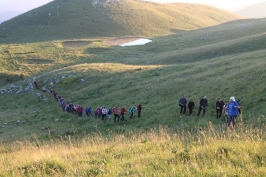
(26, 5)
(222, 4)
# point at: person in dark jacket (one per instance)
(139, 108)
(219, 107)
(203, 105)
(191, 106)
(239, 110)
(35, 83)
(183, 104)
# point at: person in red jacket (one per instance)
(116, 114)
(123, 111)
(80, 111)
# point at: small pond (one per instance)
(136, 42)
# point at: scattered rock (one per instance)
(38, 94)
(18, 121)
(19, 91)
(12, 86)
(56, 120)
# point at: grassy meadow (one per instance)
(39, 139)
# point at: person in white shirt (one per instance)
(104, 111)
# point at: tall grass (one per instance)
(209, 151)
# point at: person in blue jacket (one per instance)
(233, 108)
(131, 111)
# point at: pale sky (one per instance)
(222, 4)
(26, 5)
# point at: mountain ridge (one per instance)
(120, 18)
(254, 11)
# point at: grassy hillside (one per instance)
(67, 19)
(38, 138)
(217, 61)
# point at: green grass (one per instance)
(210, 151)
(219, 61)
(71, 19)
(155, 75)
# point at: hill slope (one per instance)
(218, 61)
(254, 11)
(65, 19)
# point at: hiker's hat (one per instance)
(232, 98)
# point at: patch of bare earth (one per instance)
(119, 41)
(75, 44)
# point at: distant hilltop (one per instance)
(65, 19)
(254, 11)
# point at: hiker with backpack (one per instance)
(122, 112)
(104, 112)
(131, 112)
(100, 112)
(35, 83)
(88, 111)
(191, 106)
(226, 113)
(139, 108)
(203, 106)
(79, 110)
(109, 112)
(219, 107)
(62, 103)
(116, 114)
(68, 108)
(239, 110)
(183, 104)
(233, 110)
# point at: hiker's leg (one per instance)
(204, 110)
(199, 111)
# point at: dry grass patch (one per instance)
(75, 44)
(109, 67)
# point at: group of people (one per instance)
(230, 109)
(100, 112)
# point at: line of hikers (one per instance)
(230, 109)
(100, 112)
